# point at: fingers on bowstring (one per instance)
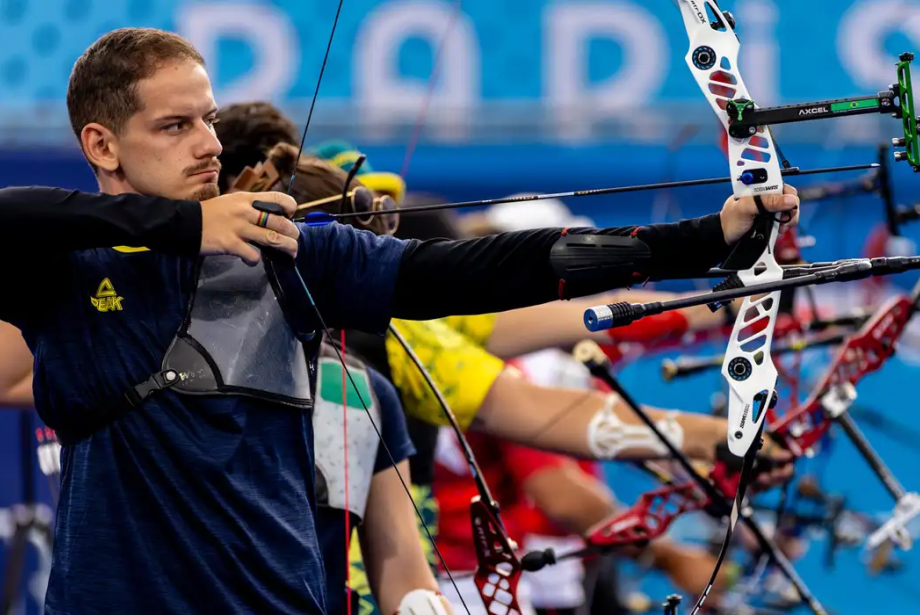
(287, 202)
(792, 221)
(270, 238)
(779, 202)
(273, 222)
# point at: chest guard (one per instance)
(331, 412)
(242, 335)
(235, 339)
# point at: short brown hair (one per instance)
(247, 132)
(103, 82)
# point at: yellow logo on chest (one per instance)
(106, 299)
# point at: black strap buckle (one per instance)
(95, 419)
(157, 382)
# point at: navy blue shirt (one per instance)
(330, 522)
(188, 504)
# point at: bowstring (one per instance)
(328, 335)
(348, 592)
(429, 92)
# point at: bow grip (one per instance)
(750, 247)
(287, 283)
(746, 252)
(726, 472)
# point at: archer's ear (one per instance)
(100, 146)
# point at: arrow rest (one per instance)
(670, 606)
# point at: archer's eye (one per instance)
(175, 127)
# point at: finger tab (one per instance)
(268, 207)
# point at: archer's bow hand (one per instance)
(738, 214)
(773, 466)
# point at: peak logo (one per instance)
(106, 299)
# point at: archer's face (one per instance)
(168, 148)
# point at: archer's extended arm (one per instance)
(439, 278)
(64, 220)
(483, 392)
(589, 424)
(560, 324)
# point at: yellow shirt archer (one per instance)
(451, 349)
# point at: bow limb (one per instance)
(862, 353)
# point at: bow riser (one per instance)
(755, 169)
(862, 354)
(499, 569)
(654, 511)
(649, 518)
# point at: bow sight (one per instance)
(898, 100)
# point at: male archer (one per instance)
(187, 482)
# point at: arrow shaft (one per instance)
(795, 171)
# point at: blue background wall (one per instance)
(537, 96)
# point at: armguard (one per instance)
(421, 602)
(609, 436)
(578, 257)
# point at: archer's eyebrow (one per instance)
(184, 117)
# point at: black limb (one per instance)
(859, 440)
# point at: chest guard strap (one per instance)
(89, 422)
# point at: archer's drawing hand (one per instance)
(738, 215)
(229, 223)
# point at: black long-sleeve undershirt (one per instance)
(513, 270)
(62, 220)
